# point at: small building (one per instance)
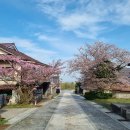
(121, 93)
(11, 49)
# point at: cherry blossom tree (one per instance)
(25, 74)
(99, 65)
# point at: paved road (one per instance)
(72, 113)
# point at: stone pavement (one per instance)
(70, 112)
(18, 114)
(99, 119)
(11, 113)
(69, 116)
(74, 113)
(14, 115)
(39, 118)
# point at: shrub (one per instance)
(102, 95)
(90, 95)
(97, 95)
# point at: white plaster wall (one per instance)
(122, 95)
(7, 82)
(2, 52)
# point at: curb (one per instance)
(114, 116)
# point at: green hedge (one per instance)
(97, 95)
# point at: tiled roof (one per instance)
(122, 89)
(4, 47)
(8, 44)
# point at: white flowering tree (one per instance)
(99, 65)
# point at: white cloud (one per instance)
(59, 43)
(63, 49)
(78, 21)
(30, 48)
(52, 7)
(86, 17)
(123, 12)
(44, 37)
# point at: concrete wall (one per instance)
(122, 95)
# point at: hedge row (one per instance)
(97, 95)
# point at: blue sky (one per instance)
(55, 29)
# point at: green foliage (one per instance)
(68, 85)
(20, 106)
(78, 84)
(2, 121)
(107, 102)
(78, 89)
(90, 95)
(97, 95)
(105, 70)
(102, 95)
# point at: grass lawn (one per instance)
(29, 105)
(3, 126)
(20, 106)
(106, 102)
(2, 121)
(24, 105)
